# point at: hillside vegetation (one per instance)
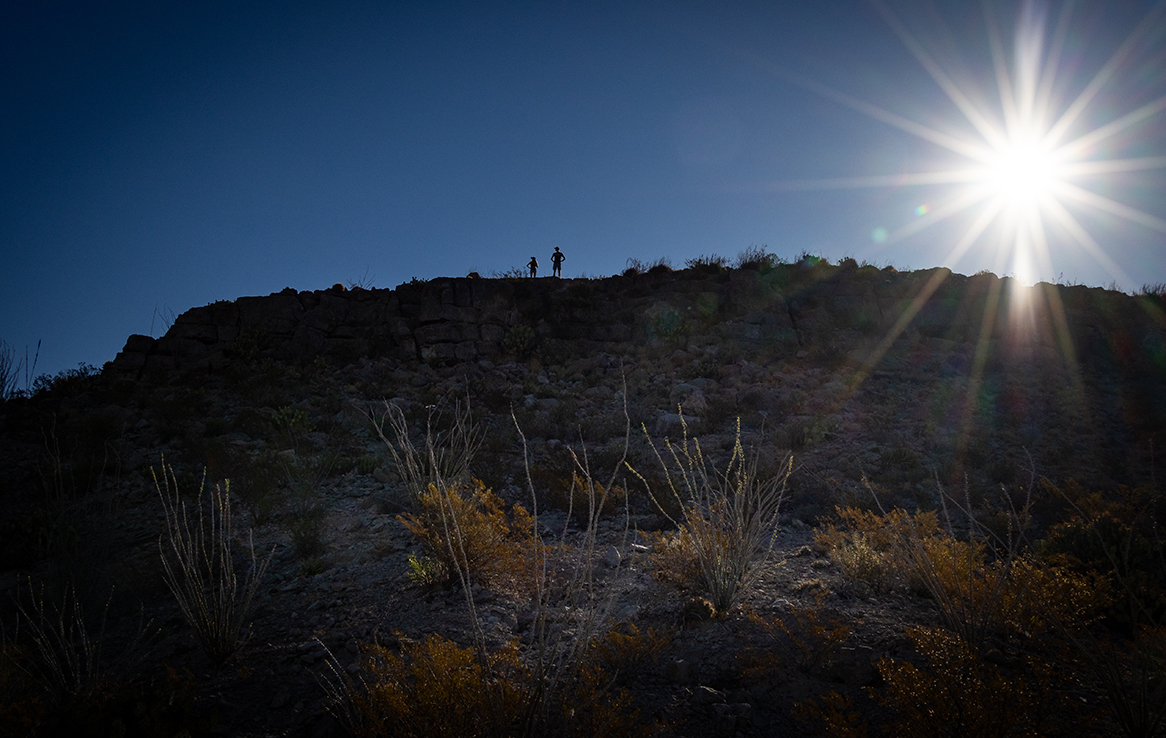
(767, 498)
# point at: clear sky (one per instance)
(157, 156)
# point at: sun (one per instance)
(1029, 167)
(1022, 173)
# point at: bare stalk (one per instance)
(199, 567)
(442, 458)
(728, 516)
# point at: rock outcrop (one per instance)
(857, 311)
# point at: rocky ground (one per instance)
(315, 485)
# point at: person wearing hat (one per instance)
(557, 262)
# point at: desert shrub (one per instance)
(864, 543)
(674, 559)
(812, 635)
(367, 464)
(465, 528)
(625, 650)
(585, 503)
(1156, 290)
(160, 706)
(835, 715)
(728, 516)
(199, 566)
(65, 649)
(712, 264)
(426, 571)
(957, 693)
(511, 273)
(1131, 674)
(757, 258)
(291, 425)
(858, 559)
(980, 593)
(519, 341)
(1118, 536)
(255, 486)
(306, 528)
(634, 266)
(434, 688)
(67, 382)
(441, 457)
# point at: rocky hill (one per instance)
(909, 389)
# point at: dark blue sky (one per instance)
(155, 157)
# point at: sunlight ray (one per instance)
(1000, 66)
(1113, 127)
(1113, 165)
(1103, 75)
(1066, 220)
(990, 132)
(979, 361)
(1043, 99)
(1113, 207)
(971, 150)
(953, 206)
(919, 300)
(954, 176)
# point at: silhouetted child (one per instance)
(557, 262)
(533, 265)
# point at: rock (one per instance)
(281, 698)
(612, 558)
(680, 671)
(853, 667)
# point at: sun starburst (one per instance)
(1027, 167)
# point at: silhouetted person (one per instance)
(533, 266)
(557, 262)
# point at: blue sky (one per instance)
(160, 156)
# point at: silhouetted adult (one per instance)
(533, 266)
(557, 262)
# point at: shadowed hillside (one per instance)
(1031, 419)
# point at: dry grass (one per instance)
(439, 688)
(199, 566)
(728, 517)
(441, 458)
